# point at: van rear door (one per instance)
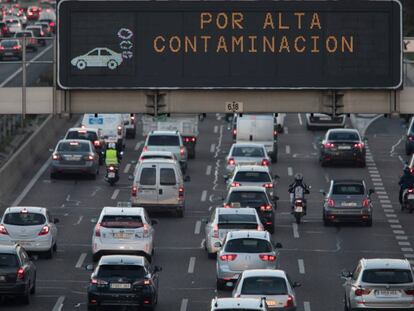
(147, 190)
(168, 185)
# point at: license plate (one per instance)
(388, 293)
(344, 147)
(2, 278)
(122, 235)
(348, 204)
(23, 243)
(121, 285)
(298, 209)
(410, 197)
(271, 302)
(8, 54)
(111, 175)
(146, 191)
(72, 159)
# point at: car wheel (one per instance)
(81, 64)
(112, 64)
(93, 176)
(369, 223)
(49, 254)
(220, 284)
(323, 163)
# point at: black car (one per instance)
(123, 280)
(342, 145)
(4, 30)
(17, 273)
(253, 197)
(10, 49)
(409, 138)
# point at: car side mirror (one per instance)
(89, 267)
(130, 177)
(187, 178)
(371, 191)
(278, 245)
(154, 222)
(217, 244)
(346, 274)
(296, 284)
(56, 220)
(157, 269)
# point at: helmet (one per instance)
(406, 169)
(298, 177)
(111, 146)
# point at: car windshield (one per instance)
(252, 152)
(163, 140)
(245, 198)
(343, 136)
(8, 43)
(24, 219)
(264, 286)
(248, 245)
(252, 177)
(121, 271)
(8, 260)
(73, 147)
(89, 135)
(122, 221)
(348, 189)
(387, 276)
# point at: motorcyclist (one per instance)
(298, 182)
(406, 181)
(111, 155)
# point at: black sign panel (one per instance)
(229, 44)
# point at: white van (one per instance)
(111, 125)
(260, 129)
(159, 184)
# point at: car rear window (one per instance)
(348, 189)
(8, 260)
(343, 136)
(163, 140)
(24, 219)
(121, 271)
(248, 245)
(252, 177)
(148, 176)
(73, 147)
(387, 276)
(264, 286)
(236, 218)
(122, 221)
(8, 43)
(253, 152)
(247, 198)
(167, 177)
(154, 156)
(91, 136)
(23, 34)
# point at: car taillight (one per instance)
(265, 208)
(111, 168)
(410, 138)
(231, 161)
(98, 282)
(3, 230)
(89, 157)
(234, 132)
(215, 231)
(274, 133)
(228, 257)
(45, 230)
(265, 162)
(268, 185)
(410, 190)
(189, 139)
(96, 143)
(266, 257)
(260, 228)
(331, 202)
(55, 156)
(20, 274)
(362, 291)
(42, 33)
(182, 151)
(146, 231)
(181, 192)
(365, 202)
(1, 48)
(235, 184)
(52, 24)
(359, 145)
(98, 230)
(328, 145)
(17, 47)
(134, 191)
(145, 149)
(289, 302)
(409, 292)
(119, 130)
(226, 206)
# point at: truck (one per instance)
(185, 124)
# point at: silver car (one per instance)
(379, 284)
(273, 285)
(32, 227)
(246, 154)
(123, 230)
(244, 250)
(224, 220)
(74, 156)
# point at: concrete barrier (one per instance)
(30, 157)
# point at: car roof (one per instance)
(158, 161)
(387, 263)
(110, 210)
(343, 130)
(247, 188)
(348, 181)
(252, 168)
(122, 260)
(166, 153)
(264, 272)
(172, 133)
(30, 209)
(263, 235)
(234, 211)
(247, 145)
(236, 303)
(8, 249)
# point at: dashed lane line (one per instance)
(138, 145)
(295, 230)
(290, 171)
(212, 148)
(115, 194)
(287, 149)
(191, 265)
(204, 196)
(59, 304)
(197, 228)
(80, 261)
(184, 304)
(77, 223)
(306, 306)
(208, 170)
(301, 265)
(300, 119)
(127, 167)
(215, 129)
(286, 130)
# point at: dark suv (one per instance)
(123, 280)
(17, 273)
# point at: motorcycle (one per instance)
(112, 175)
(408, 200)
(298, 202)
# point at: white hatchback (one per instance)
(31, 227)
(123, 230)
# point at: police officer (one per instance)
(111, 155)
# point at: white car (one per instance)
(98, 57)
(250, 304)
(31, 227)
(324, 121)
(14, 25)
(246, 154)
(123, 230)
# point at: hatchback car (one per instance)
(31, 227)
(238, 304)
(379, 284)
(342, 145)
(74, 156)
(244, 250)
(30, 40)
(91, 134)
(10, 49)
(38, 33)
(123, 280)
(254, 175)
(347, 200)
(17, 273)
(246, 154)
(255, 197)
(273, 285)
(123, 230)
(224, 220)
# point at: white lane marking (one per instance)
(208, 170)
(138, 145)
(407, 249)
(287, 149)
(385, 201)
(395, 221)
(375, 176)
(381, 192)
(401, 237)
(295, 231)
(197, 228)
(203, 241)
(184, 304)
(378, 184)
(376, 179)
(212, 147)
(306, 306)
(210, 208)
(391, 215)
(79, 221)
(31, 183)
(326, 177)
(191, 265)
(379, 188)
(404, 243)
(314, 146)
(398, 231)
(290, 171)
(389, 210)
(395, 226)
(392, 151)
(300, 119)
(115, 194)
(383, 197)
(301, 265)
(386, 205)
(215, 129)
(401, 160)
(127, 167)
(80, 261)
(204, 196)
(286, 130)
(27, 65)
(59, 304)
